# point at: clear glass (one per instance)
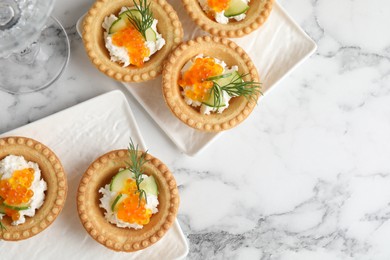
(34, 47)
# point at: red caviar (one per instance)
(218, 5)
(131, 210)
(195, 76)
(16, 190)
(134, 42)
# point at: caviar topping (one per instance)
(132, 210)
(196, 75)
(134, 42)
(218, 5)
(16, 190)
(131, 198)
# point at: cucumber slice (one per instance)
(130, 12)
(211, 102)
(149, 185)
(236, 7)
(118, 200)
(17, 207)
(118, 25)
(226, 80)
(219, 76)
(150, 35)
(118, 182)
(123, 22)
(221, 80)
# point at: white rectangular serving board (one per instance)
(78, 135)
(276, 48)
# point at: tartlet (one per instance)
(98, 174)
(93, 37)
(257, 14)
(222, 49)
(55, 195)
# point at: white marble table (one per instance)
(307, 176)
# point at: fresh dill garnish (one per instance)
(135, 165)
(145, 20)
(236, 87)
(2, 227)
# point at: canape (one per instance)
(33, 187)
(129, 40)
(127, 199)
(210, 84)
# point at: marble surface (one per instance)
(306, 176)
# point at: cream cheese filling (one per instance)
(108, 198)
(13, 163)
(120, 54)
(205, 109)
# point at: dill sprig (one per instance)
(236, 87)
(135, 167)
(145, 20)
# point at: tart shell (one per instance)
(55, 195)
(224, 50)
(93, 36)
(257, 14)
(100, 173)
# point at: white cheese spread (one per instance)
(13, 163)
(120, 54)
(108, 198)
(205, 109)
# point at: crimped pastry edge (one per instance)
(98, 233)
(100, 57)
(174, 99)
(56, 180)
(233, 29)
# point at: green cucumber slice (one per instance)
(118, 182)
(123, 22)
(221, 80)
(22, 206)
(226, 80)
(219, 76)
(118, 200)
(236, 7)
(149, 185)
(150, 35)
(130, 12)
(118, 25)
(210, 100)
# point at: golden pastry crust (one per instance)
(55, 195)
(168, 25)
(257, 14)
(222, 49)
(100, 173)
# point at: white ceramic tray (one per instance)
(78, 135)
(276, 49)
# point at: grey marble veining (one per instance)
(307, 176)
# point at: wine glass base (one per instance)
(40, 64)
